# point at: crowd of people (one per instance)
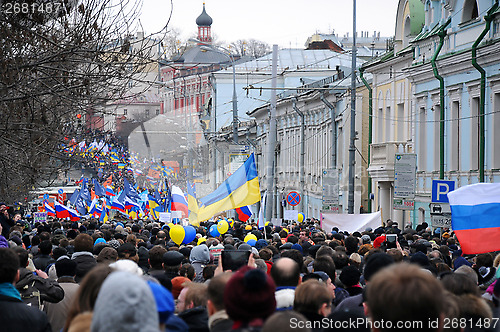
(126, 275)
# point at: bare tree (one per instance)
(59, 59)
(252, 47)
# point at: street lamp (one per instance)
(208, 47)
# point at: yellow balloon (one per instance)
(177, 234)
(170, 225)
(301, 217)
(201, 240)
(250, 237)
(248, 227)
(222, 226)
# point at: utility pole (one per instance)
(271, 142)
(352, 147)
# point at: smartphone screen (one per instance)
(391, 238)
(234, 259)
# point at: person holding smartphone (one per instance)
(5, 220)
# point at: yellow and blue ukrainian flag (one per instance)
(240, 189)
(192, 203)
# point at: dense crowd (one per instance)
(130, 276)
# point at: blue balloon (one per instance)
(252, 242)
(190, 234)
(214, 231)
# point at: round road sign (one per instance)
(293, 198)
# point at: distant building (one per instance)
(367, 46)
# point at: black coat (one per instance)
(17, 316)
(196, 319)
(50, 291)
(7, 223)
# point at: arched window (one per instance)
(470, 11)
(407, 32)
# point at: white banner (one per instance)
(291, 215)
(165, 217)
(176, 214)
(350, 222)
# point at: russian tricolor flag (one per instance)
(49, 209)
(65, 212)
(244, 213)
(475, 217)
(117, 205)
(110, 192)
(179, 202)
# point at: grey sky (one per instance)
(287, 23)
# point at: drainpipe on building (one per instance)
(302, 152)
(488, 18)
(370, 128)
(441, 33)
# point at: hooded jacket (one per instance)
(199, 257)
(85, 261)
(125, 303)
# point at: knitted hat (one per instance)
(298, 247)
(107, 255)
(65, 267)
(114, 243)
(127, 249)
(419, 258)
(99, 240)
(128, 266)
(260, 244)
(125, 303)
(375, 263)
(177, 285)
(164, 301)
(378, 241)
(249, 294)
(366, 239)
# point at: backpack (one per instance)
(30, 295)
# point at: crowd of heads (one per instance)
(131, 276)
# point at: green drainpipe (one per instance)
(488, 18)
(441, 33)
(370, 113)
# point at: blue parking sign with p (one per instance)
(440, 189)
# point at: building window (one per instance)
(388, 124)
(455, 136)
(474, 142)
(496, 133)
(401, 122)
(422, 139)
(436, 124)
(125, 111)
(147, 112)
(470, 11)
(157, 112)
(380, 128)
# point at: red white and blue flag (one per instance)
(179, 201)
(63, 211)
(49, 209)
(475, 217)
(244, 213)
